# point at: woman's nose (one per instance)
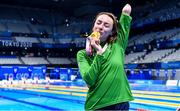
(99, 28)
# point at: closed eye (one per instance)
(98, 22)
(107, 25)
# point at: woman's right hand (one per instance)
(95, 43)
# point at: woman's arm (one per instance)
(89, 70)
(124, 26)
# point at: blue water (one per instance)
(58, 98)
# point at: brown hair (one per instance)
(112, 37)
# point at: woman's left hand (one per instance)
(127, 9)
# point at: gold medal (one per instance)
(95, 35)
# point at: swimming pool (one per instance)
(69, 96)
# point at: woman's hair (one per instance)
(112, 37)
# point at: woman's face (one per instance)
(103, 25)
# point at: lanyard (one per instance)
(105, 47)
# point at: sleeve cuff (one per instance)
(126, 15)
